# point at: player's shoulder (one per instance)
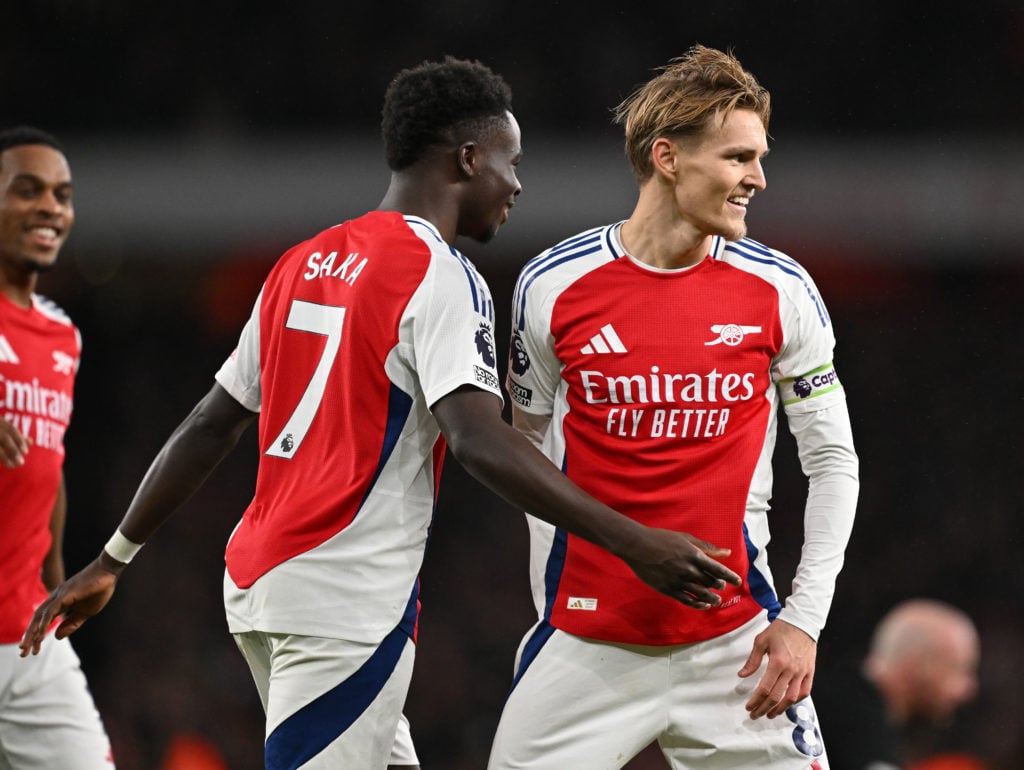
(392, 230)
(570, 258)
(789, 277)
(51, 311)
(377, 237)
(449, 266)
(753, 256)
(769, 264)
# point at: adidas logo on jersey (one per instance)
(581, 603)
(605, 341)
(732, 334)
(7, 354)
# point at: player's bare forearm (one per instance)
(188, 457)
(788, 677)
(186, 460)
(674, 563)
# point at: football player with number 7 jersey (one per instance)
(369, 347)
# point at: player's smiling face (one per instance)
(718, 172)
(495, 184)
(36, 213)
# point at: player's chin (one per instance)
(41, 263)
(486, 234)
(733, 231)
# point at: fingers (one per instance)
(771, 699)
(753, 662)
(780, 687)
(13, 445)
(695, 587)
(71, 623)
(34, 633)
(44, 615)
(32, 639)
(708, 559)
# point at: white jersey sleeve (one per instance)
(448, 329)
(815, 404)
(239, 375)
(825, 445)
(812, 396)
(803, 370)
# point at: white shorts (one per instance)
(583, 703)
(332, 703)
(47, 715)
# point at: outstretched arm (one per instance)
(677, 564)
(188, 457)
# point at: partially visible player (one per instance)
(366, 343)
(47, 716)
(650, 359)
(922, 666)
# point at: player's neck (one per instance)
(18, 288)
(664, 248)
(414, 198)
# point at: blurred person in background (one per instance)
(47, 715)
(650, 359)
(368, 347)
(922, 665)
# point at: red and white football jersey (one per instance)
(39, 354)
(663, 387)
(356, 332)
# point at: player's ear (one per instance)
(466, 156)
(664, 157)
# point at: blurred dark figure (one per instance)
(921, 666)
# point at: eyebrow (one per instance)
(39, 180)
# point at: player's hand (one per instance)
(77, 599)
(682, 566)
(13, 445)
(790, 672)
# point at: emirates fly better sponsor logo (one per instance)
(39, 412)
(665, 404)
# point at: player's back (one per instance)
(328, 323)
(355, 334)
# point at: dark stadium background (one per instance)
(205, 137)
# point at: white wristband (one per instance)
(121, 548)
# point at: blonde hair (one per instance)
(683, 98)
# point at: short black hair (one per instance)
(20, 135)
(425, 103)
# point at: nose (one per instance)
(53, 202)
(756, 178)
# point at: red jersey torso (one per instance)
(39, 354)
